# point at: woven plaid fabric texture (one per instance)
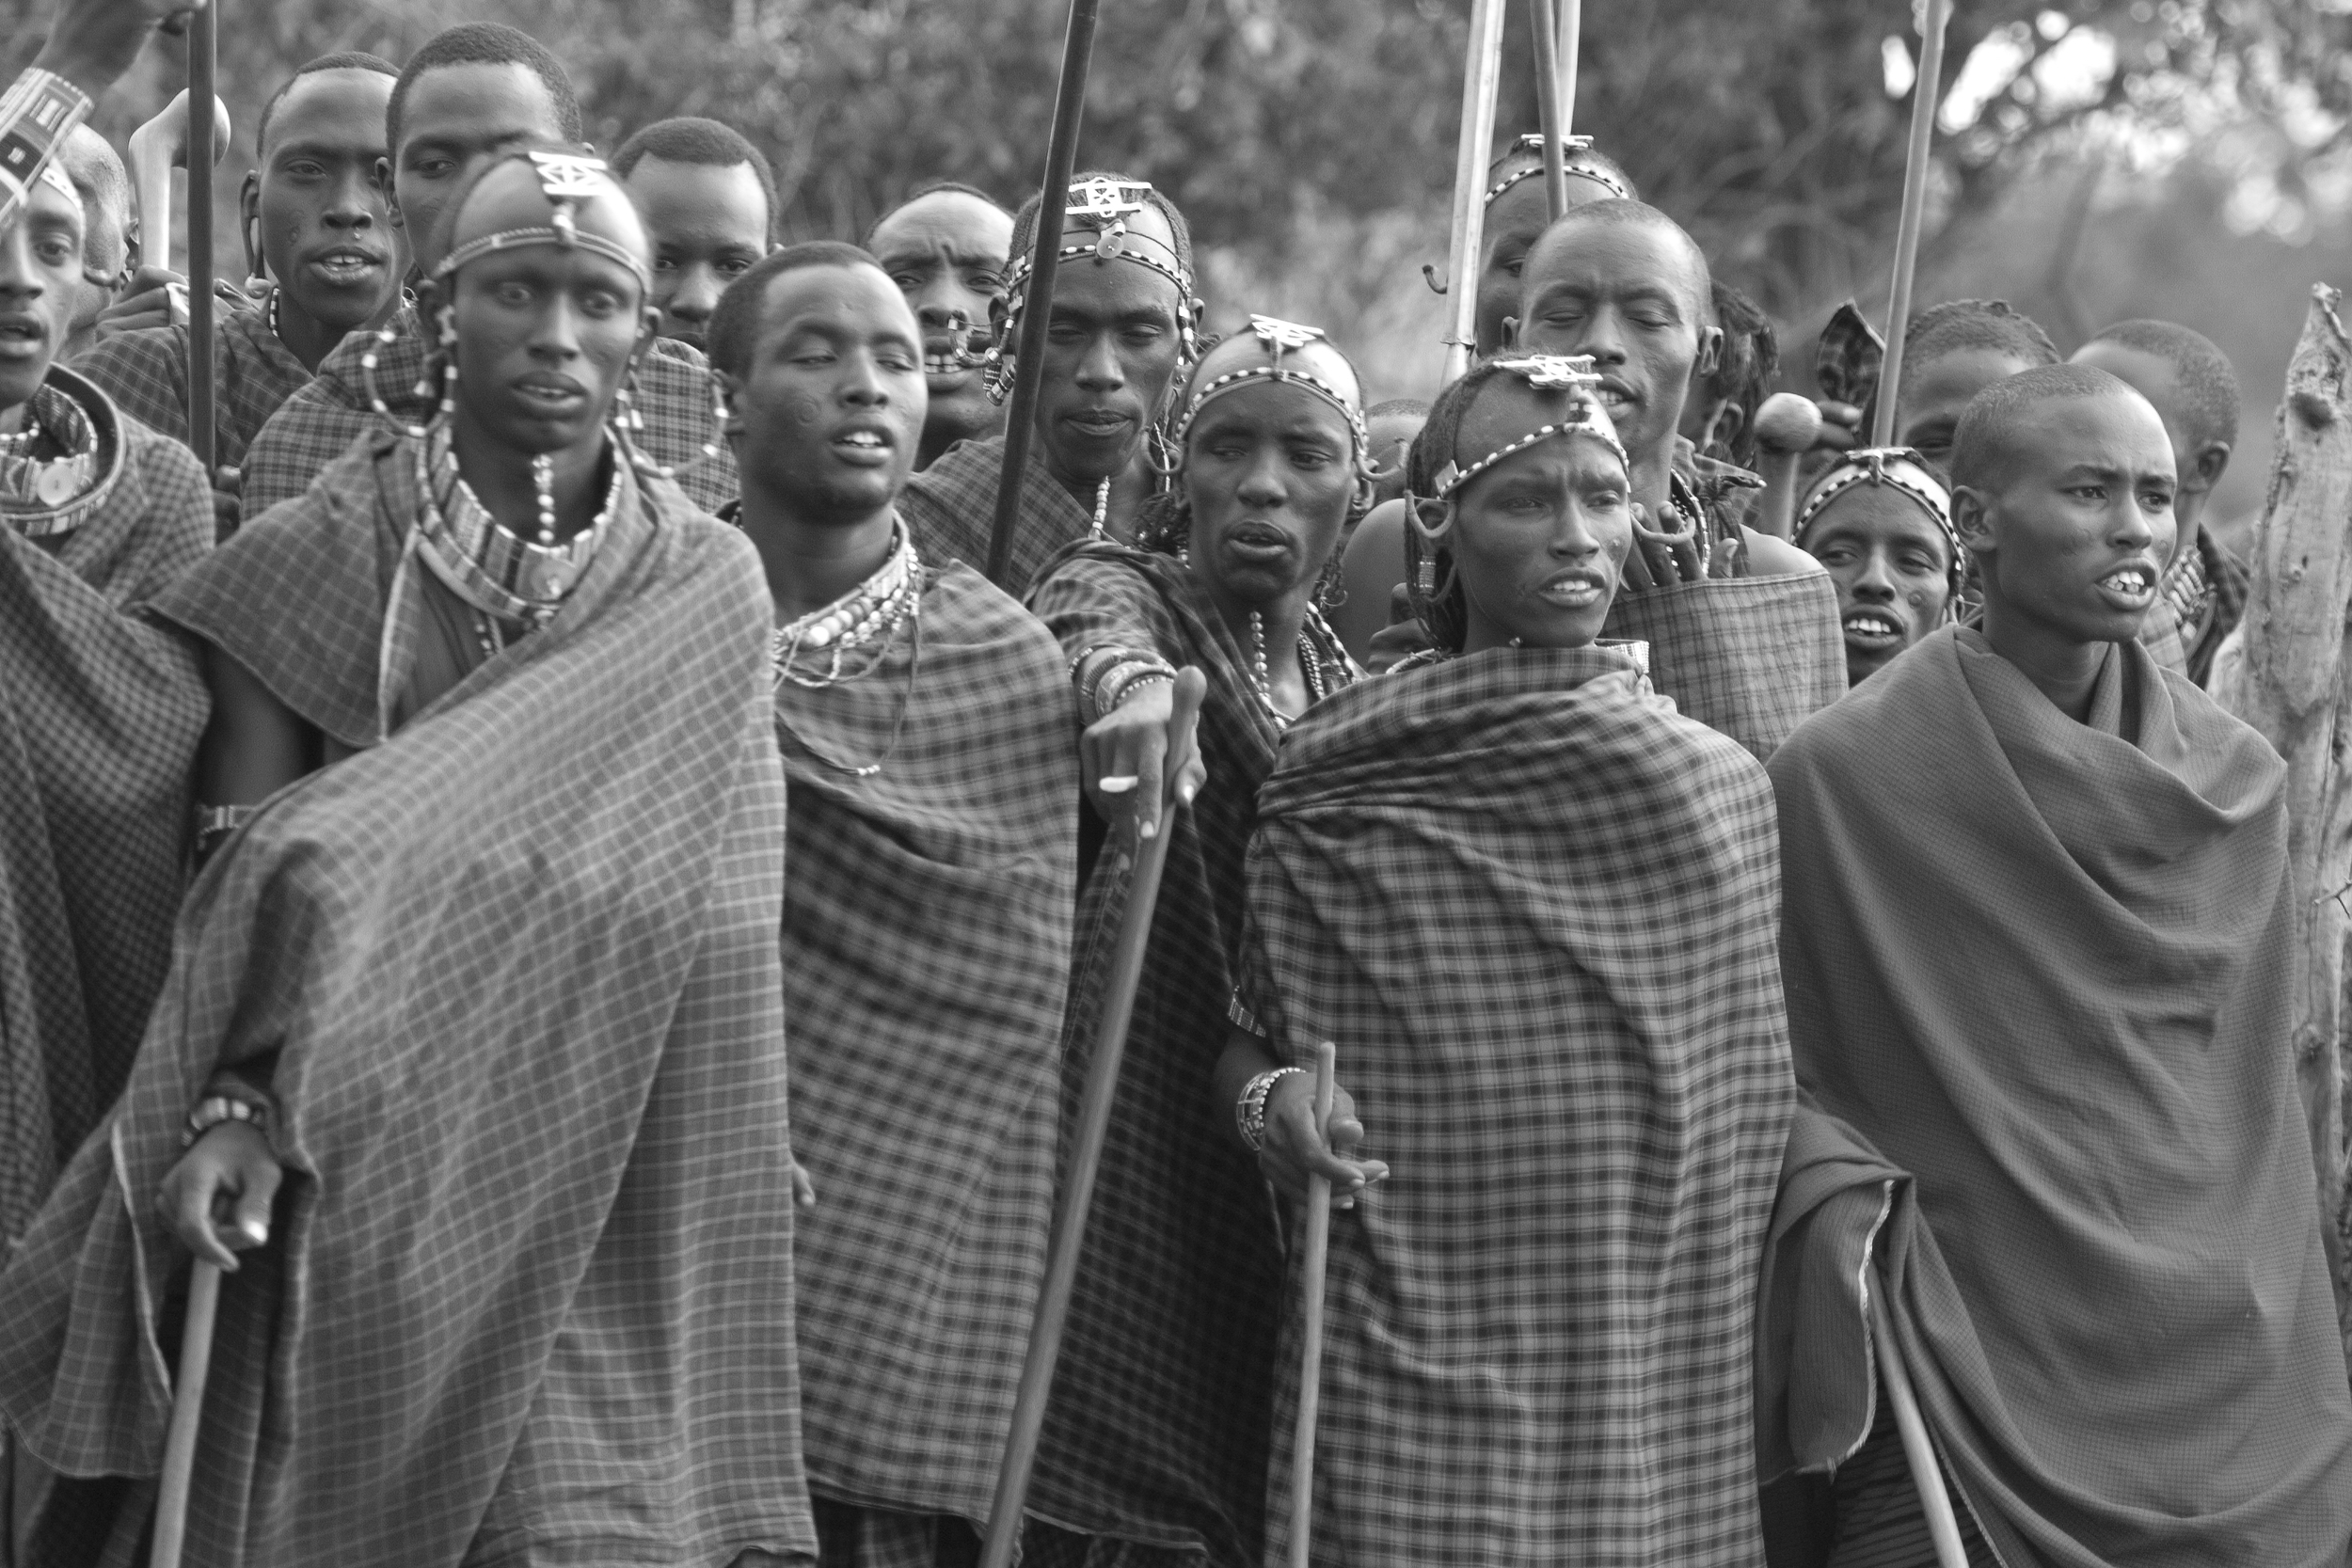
(1535, 911)
(100, 712)
(674, 394)
(1750, 656)
(951, 506)
(146, 373)
(926, 957)
(1157, 1432)
(530, 1296)
(2046, 971)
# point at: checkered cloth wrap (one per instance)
(1157, 1432)
(1536, 911)
(2059, 998)
(100, 713)
(951, 506)
(1750, 656)
(147, 372)
(529, 1295)
(927, 955)
(313, 426)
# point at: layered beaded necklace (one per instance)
(864, 621)
(47, 464)
(1100, 528)
(1262, 674)
(511, 579)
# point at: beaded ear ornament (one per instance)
(1544, 373)
(1570, 147)
(1899, 468)
(1104, 206)
(1280, 340)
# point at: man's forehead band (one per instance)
(1107, 204)
(567, 179)
(1279, 339)
(54, 175)
(1899, 468)
(1570, 147)
(1547, 372)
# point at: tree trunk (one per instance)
(2291, 678)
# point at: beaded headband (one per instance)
(1279, 339)
(1899, 468)
(52, 173)
(1570, 147)
(567, 179)
(1546, 372)
(1111, 203)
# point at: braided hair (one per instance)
(1444, 609)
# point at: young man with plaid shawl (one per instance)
(2037, 943)
(1155, 1442)
(927, 733)
(326, 236)
(1125, 323)
(468, 1068)
(470, 92)
(1533, 905)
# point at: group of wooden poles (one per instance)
(1556, 28)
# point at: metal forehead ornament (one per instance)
(1572, 373)
(567, 178)
(1110, 203)
(1279, 337)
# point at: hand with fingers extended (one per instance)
(92, 42)
(1142, 756)
(218, 1198)
(1293, 1152)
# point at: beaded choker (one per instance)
(48, 464)
(1899, 468)
(482, 561)
(1570, 147)
(1310, 665)
(1279, 339)
(863, 618)
(1546, 372)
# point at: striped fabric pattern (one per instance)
(100, 713)
(529, 1295)
(951, 506)
(926, 957)
(1535, 911)
(1157, 1432)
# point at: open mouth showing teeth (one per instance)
(942, 364)
(344, 263)
(1872, 625)
(864, 439)
(2132, 582)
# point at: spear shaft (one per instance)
(203, 64)
(1481, 70)
(1914, 207)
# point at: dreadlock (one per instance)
(1444, 611)
(1749, 365)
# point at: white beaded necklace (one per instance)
(867, 614)
(1100, 528)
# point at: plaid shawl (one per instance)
(1157, 1432)
(927, 952)
(529, 1297)
(316, 423)
(952, 505)
(2046, 970)
(1535, 910)
(100, 713)
(1750, 656)
(147, 372)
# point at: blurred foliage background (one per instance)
(2097, 158)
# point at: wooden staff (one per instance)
(1481, 70)
(204, 34)
(187, 1413)
(1086, 1152)
(1548, 118)
(1317, 1252)
(1926, 1472)
(1914, 206)
(1061, 155)
(1571, 35)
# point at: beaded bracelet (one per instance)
(214, 1109)
(1136, 683)
(1249, 1113)
(1113, 683)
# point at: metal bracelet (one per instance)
(1249, 1112)
(214, 1109)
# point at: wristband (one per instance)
(214, 1109)
(1249, 1111)
(1136, 683)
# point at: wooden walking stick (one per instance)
(1481, 70)
(1926, 1473)
(1548, 118)
(1914, 206)
(1085, 1151)
(1317, 1253)
(187, 1413)
(204, 34)
(1036, 309)
(1571, 35)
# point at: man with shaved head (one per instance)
(471, 1081)
(2037, 942)
(2189, 381)
(325, 241)
(1124, 320)
(947, 248)
(470, 93)
(708, 198)
(105, 186)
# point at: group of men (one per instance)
(551, 868)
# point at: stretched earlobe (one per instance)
(730, 401)
(1511, 333)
